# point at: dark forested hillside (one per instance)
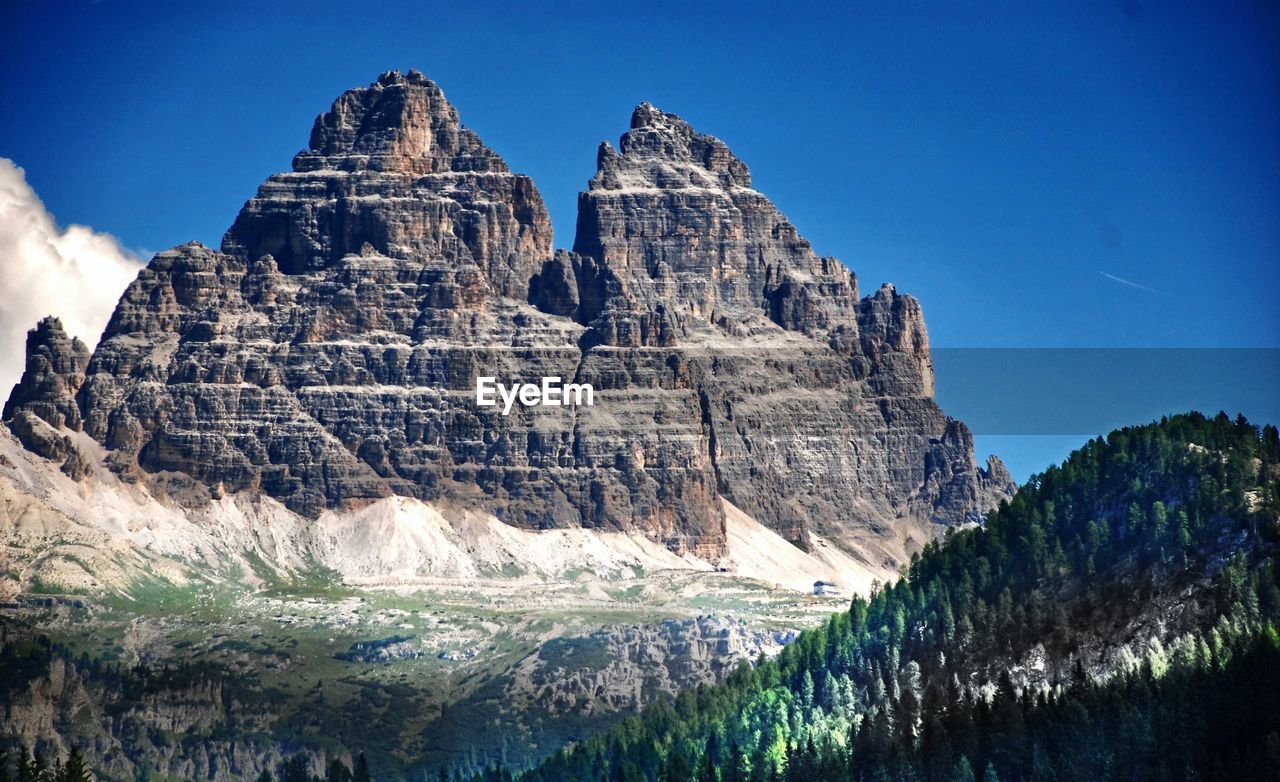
(1114, 620)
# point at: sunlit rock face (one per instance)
(327, 354)
(671, 214)
(391, 166)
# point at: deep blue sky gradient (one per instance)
(994, 160)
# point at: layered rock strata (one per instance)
(327, 354)
(42, 407)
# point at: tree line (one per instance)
(1002, 652)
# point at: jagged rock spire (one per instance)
(676, 156)
(671, 215)
(391, 166)
(400, 123)
(328, 355)
(43, 403)
(55, 369)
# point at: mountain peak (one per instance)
(406, 262)
(414, 76)
(55, 368)
(662, 149)
(400, 123)
(391, 166)
(648, 115)
(43, 402)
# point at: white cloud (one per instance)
(76, 273)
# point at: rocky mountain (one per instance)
(326, 356)
(1117, 620)
(215, 642)
(43, 404)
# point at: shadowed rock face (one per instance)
(327, 355)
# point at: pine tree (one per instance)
(337, 771)
(38, 764)
(707, 769)
(295, 770)
(806, 692)
(1160, 531)
(678, 768)
(963, 772)
(24, 768)
(736, 768)
(74, 770)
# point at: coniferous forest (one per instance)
(1115, 620)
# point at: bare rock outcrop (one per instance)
(626, 667)
(327, 354)
(55, 369)
(670, 214)
(390, 165)
(43, 403)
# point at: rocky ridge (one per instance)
(326, 355)
(625, 667)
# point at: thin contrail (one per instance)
(1131, 284)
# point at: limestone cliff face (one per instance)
(391, 166)
(55, 369)
(671, 215)
(816, 407)
(43, 402)
(327, 354)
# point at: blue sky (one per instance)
(1038, 175)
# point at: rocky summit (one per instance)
(327, 355)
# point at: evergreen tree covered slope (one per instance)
(1114, 620)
